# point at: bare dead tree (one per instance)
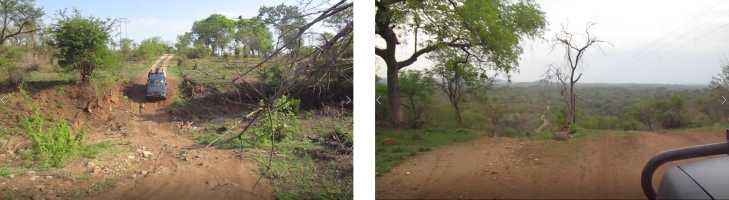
(568, 75)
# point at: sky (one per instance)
(163, 18)
(650, 41)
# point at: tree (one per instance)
(254, 36)
(151, 47)
(183, 41)
(567, 76)
(488, 30)
(456, 76)
(671, 113)
(286, 20)
(126, 47)
(214, 32)
(417, 88)
(645, 112)
(81, 43)
(18, 17)
(718, 88)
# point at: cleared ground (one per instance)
(605, 166)
(209, 173)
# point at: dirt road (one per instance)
(602, 167)
(176, 168)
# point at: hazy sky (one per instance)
(652, 41)
(164, 18)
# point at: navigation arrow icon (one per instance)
(724, 101)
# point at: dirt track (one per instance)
(603, 167)
(208, 174)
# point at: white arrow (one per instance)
(348, 100)
(724, 101)
(378, 99)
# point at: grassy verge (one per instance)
(305, 165)
(96, 187)
(55, 143)
(393, 146)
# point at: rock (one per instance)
(37, 197)
(11, 176)
(389, 141)
(144, 172)
(33, 178)
(96, 170)
(132, 157)
(407, 173)
(90, 165)
(147, 154)
(561, 136)
(30, 172)
(49, 177)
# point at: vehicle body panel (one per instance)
(705, 179)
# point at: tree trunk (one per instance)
(573, 107)
(458, 112)
(393, 94)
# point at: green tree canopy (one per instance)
(18, 17)
(126, 47)
(214, 32)
(286, 20)
(151, 47)
(183, 41)
(489, 31)
(253, 36)
(81, 43)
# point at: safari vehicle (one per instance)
(704, 179)
(156, 85)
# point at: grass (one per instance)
(5, 171)
(55, 143)
(294, 171)
(214, 71)
(8, 197)
(404, 143)
(96, 187)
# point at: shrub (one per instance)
(150, 48)
(54, 144)
(281, 121)
(417, 88)
(671, 113)
(9, 56)
(81, 43)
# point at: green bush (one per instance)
(417, 88)
(53, 144)
(11, 72)
(276, 124)
(150, 48)
(81, 43)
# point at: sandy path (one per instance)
(209, 174)
(604, 167)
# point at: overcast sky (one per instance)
(163, 18)
(652, 41)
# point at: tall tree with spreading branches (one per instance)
(487, 30)
(81, 43)
(18, 17)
